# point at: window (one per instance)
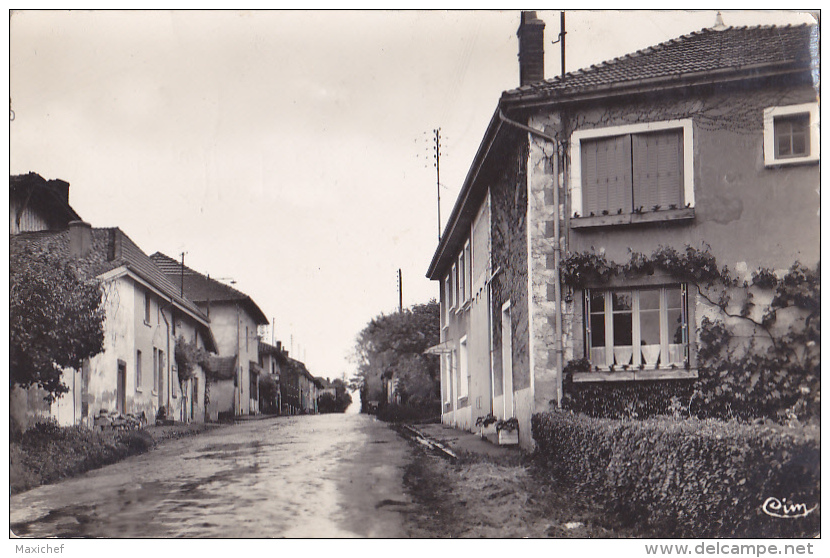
(791, 134)
(468, 272)
(653, 319)
(146, 307)
(462, 279)
(447, 298)
(633, 169)
(446, 387)
(463, 369)
(454, 288)
(138, 369)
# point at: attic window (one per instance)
(791, 134)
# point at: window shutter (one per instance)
(606, 172)
(658, 169)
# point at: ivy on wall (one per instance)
(771, 373)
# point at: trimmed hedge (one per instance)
(689, 477)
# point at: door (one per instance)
(507, 359)
(121, 388)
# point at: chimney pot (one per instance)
(80, 238)
(531, 35)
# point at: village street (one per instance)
(329, 475)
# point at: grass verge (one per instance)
(485, 497)
(47, 453)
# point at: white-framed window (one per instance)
(446, 377)
(462, 278)
(468, 272)
(633, 168)
(447, 298)
(454, 286)
(652, 319)
(463, 368)
(791, 134)
(147, 307)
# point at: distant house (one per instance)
(144, 317)
(37, 204)
(222, 372)
(299, 389)
(234, 317)
(710, 139)
(272, 359)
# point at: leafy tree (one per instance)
(56, 320)
(395, 343)
(336, 402)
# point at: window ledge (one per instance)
(634, 375)
(785, 162)
(684, 214)
(462, 402)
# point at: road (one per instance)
(304, 476)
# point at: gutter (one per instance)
(557, 249)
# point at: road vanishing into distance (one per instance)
(302, 476)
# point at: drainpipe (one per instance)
(167, 364)
(557, 249)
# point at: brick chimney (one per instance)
(531, 35)
(80, 238)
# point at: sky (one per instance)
(288, 151)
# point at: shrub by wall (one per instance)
(690, 477)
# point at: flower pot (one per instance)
(508, 437)
(487, 431)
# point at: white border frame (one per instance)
(811, 109)
(688, 154)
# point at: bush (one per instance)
(686, 478)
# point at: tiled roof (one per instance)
(701, 52)
(110, 249)
(223, 368)
(202, 289)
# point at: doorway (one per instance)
(121, 388)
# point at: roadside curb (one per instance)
(414, 434)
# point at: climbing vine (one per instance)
(188, 356)
(741, 375)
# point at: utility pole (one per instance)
(437, 154)
(562, 34)
(400, 290)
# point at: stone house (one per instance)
(234, 317)
(144, 316)
(272, 359)
(710, 139)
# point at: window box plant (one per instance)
(508, 431)
(486, 425)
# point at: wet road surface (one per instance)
(304, 476)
